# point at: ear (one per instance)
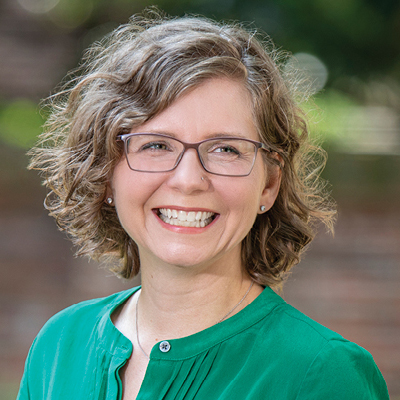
(273, 184)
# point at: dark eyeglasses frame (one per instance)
(124, 138)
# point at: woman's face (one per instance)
(219, 106)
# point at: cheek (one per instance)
(131, 199)
(131, 186)
(243, 197)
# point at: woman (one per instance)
(179, 149)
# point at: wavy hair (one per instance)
(135, 73)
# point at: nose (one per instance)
(189, 176)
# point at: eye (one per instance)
(223, 148)
(160, 146)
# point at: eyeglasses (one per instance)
(227, 156)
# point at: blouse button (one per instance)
(164, 346)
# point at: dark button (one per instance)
(165, 346)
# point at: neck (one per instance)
(179, 301)
(189, 305)
(185, 302)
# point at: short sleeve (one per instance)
(343, 370)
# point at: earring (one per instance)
(262, 208)
(109, 200)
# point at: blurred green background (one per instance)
(349, 53)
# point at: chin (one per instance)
(182, 260)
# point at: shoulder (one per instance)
(303, 336)
(82, 318)
(72, 344)
(294, 330)
(343, 370)
(326, 364)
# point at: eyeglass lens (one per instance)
(156, 153)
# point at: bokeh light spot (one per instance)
(38, 6)
(311, 72)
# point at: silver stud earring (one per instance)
(109, 200)
(262, 208)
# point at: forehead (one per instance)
(218, 106)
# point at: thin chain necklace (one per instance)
(224, 317)
(137, 329)
(238, 304)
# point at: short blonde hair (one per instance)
(131, 76)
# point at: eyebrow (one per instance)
(209, 136)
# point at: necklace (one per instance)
(137, 328)
(238, 304)
(224, 317)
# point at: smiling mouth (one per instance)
(192, 219)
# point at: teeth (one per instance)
(182, 215)
(199, 219)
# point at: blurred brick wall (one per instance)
(33, 57)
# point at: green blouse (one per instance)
(269, 350)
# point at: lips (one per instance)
(192, 219)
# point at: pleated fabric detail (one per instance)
(185, 380)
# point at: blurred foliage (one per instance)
(71, 14)
(20, 123)
(351, 38)
(344, 125)
(326, 113)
